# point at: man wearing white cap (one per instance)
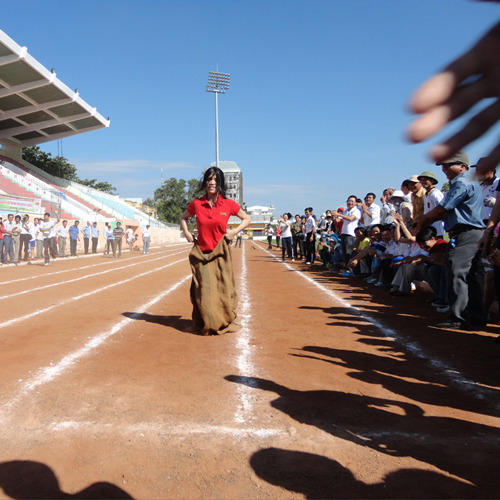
(417, 196)
(485, 174)
(433, 197)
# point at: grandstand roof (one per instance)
(35, 106)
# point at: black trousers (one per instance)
(298, 246)
(94, 245)
(310, 245)
(49, 249)
(270, 242)
(86, 242)
(72, 247)
(24, 240)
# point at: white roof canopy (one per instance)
(35, 106)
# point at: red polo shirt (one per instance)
(212, 222)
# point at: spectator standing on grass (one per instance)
(370, 211)
(462, 212)
(485, 175)
(310, 239)
(351, 219)
(95, 237)
(74, 237)
(86, 231)
(417, 196)
(130, 237)
(47, 227)
(35, 228)
(118, 234)
(277, 233)
(39, 242)
(297, 238)
(146, 240)
(270, 233)
(8, 240)
(62, 233)
(108, 236)
(286, 236)
(25, 237)
(432, 198)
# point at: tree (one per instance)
(446, 187)
(172, 199)
(56, 166)
(106, 187)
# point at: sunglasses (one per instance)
(448, 165)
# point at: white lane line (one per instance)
(84, 267)
(84, 295)
(87, 276)
(49, 373)
(244, 359)
(455, 377)
(169, 429)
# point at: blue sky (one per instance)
(316, 109)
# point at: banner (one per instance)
(18, 204)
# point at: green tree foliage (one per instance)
(59, 166)
(446, 187)
(56, 166)
(172, 199)
(100, 186)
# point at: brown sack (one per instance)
(213, 290)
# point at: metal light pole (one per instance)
(218, 83)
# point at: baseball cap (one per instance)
(459, 157)
(413, 178)
(482, 163)
(340, 209)
(398, 193)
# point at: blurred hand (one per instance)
(484, 242)
(468, 80)
(494, 257)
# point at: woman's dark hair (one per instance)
(361, 230)
(219, 179)
(289, 215)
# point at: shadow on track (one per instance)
(176, 322)
(26, 479)
(395, 428)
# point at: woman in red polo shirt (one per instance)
(213, 289)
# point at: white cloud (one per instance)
(88, 167)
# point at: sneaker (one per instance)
(413, 287)
(379, 283)
(347, 274)
(371, 280)
(439, 303)
(308, 263)
(443, 310)
(46, 263)
(293, 260)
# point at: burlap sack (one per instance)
(213, 290)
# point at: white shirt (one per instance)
(270, 231)
(47, 229)
(34, 231)
(431, 200)
(8, 226)
(62, 232)
(146, 233)
(374, 219)
(130, 234)
(23, 229)
(286, 232)
(310, 224)
(350, 225)
(489, 196)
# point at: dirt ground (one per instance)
(331, 389)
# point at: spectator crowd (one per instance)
(44, 238)
(446, 240)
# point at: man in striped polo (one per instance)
(118, 234)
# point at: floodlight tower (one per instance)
(218, 83)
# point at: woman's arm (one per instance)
(245, 221)
(185, 216)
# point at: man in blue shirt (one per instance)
(86, 236)
(74, 238)
(461, 210)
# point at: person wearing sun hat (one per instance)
(417, 196)
(462, 211)
(432, 198)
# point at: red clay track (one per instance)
(330, 389)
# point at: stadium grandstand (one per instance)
(36, 107)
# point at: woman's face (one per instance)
(212, 185)
(285, 217)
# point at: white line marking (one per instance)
(454, 376)
(88, 294)
(84, 267)
(52, 371)
(178, 429)
(244, 359)
(86, 276)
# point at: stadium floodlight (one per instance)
(218, 83)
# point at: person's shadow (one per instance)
(25, 479)
(320, 477)
(175, 322)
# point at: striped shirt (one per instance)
(118, 232)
